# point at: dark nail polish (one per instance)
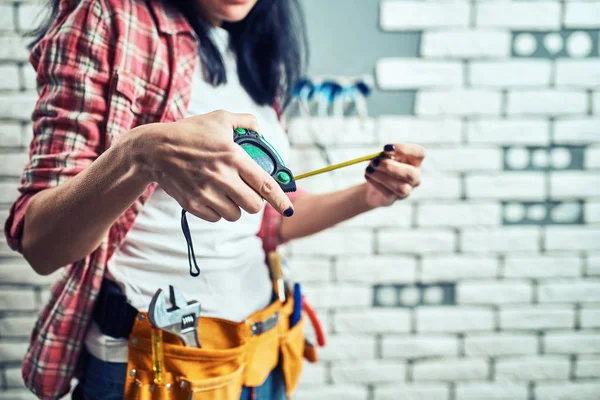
(376, 161)
(370, 170)
(389, 147)
(289, 212)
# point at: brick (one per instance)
(509, 132)
(13, 48)
(510, 73)
(397, 215)
(532, 368)
(376, 269)
(458, 369)
(401, 129)
(337, 392)
(29, 81)
(8, 192)
(356, 131)
(506, 186)
(576, 130)
(17, 326)
(30, 16)
(403, 73)
(458, 214)
(539, 266)
(333, 242)
(590, 317)
(579, 73)
(430, 391)
(415, 241)
(593, 265)
(370, 371)
(437, 187)
(12, 164)
(10, 134)
(592, 158)
(312, 374)
(567, 184)
(493, 292)
(529, 15)
(457, 267)
(462, 159)
(17, 106)
(9, 73)
(582, 15)
(500, 344)
(567, 391)
(6, 18)
(17, 299)
(572, 343)
(348, 347)
(12, 351)
(310, 269)
(546, 102)
(18, 394)
(14, 379)
(338, 295)
(587, 367)
(419, 346)
(536, 317)
(491, 391)
(458, 102)
(577, 291)
(372, 321)
(500, 239)
(416, 15)
(572, 238)
(465, 43)
(18, 271)
(454, 319)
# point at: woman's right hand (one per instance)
(196, 161)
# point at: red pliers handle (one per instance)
(314, 320)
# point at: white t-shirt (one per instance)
(234, 280)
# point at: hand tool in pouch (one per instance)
(180, 319)
(158, 359)
(276, 268)
(266, 156)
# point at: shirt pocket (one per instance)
(132, 102)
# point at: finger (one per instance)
(221, 204)
(192, 206)
(407, 153)
(398, 170)
(263, 184)
(244, 196)
(246, 121)
(204, 212)
(380, 188)
(398, 187)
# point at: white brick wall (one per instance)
(525, 318)
(531, 15)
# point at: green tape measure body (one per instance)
(266, 156)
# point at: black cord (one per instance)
(190, 246)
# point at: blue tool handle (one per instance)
(297, 312)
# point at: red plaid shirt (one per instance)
(104, 67)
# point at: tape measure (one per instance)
(266, 156)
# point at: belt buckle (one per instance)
(260, 327)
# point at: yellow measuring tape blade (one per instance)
(337, 166)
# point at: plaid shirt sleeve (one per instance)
(71, 63)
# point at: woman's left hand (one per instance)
(393, 177)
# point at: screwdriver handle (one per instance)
(158, 360)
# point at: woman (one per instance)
(129, 128)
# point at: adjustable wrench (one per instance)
(180, 319)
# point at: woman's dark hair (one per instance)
(270, 45)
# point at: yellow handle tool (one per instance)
(340, 165)
(158, 359)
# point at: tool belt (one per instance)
(233, 354)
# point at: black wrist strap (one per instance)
(190, 246)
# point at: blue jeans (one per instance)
(106, 381)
